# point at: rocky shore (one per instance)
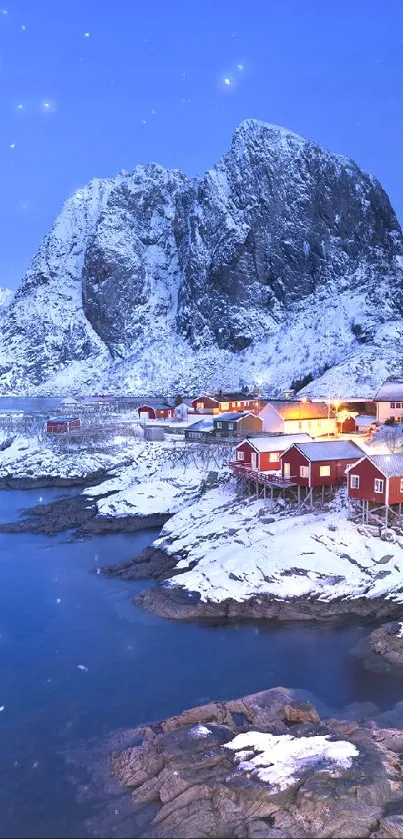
(265, 767)
(80, 514)
(382, 650)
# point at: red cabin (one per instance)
(263, 453)
(319, 464)
(377, 478)
(155, 411)
(60, 425)
(346, 425)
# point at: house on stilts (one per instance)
(375, 483)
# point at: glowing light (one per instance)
(12, 145)
(87, 34)
(227, 81)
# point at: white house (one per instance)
(294, 416)
(389, 402)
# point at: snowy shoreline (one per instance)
(219, 554)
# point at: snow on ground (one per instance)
(239, 555)
(156, 482)
(31, 458)
(280, 760)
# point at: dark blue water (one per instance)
(57, 717)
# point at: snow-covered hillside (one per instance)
(283, 260)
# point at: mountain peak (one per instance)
(151, 281)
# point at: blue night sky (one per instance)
(89, 87)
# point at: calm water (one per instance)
(58, 719)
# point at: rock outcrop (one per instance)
(150, 280)
(267, 767)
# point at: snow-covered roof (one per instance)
(391, 465)
(331, 450)
(155, 405)
(276, 443)
(63, 419)
(232, 416)
(365, 419)
(299, 410)
(238, 397)
(201, 425)
(390, 392)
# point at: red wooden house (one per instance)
(377, 478)
(263, 453)
(206, 405)
(60, 425)
(319, 464)
(155, 410)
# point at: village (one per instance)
(293, 450)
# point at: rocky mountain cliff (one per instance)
(283, 262)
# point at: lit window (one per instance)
(378, 485)
(300, 424)
(304, 471)
(224, 406)
(401, 484)
(230, 426)
(200, 405)
(319, 423)
(273, 457)
(354, 481)
(324, 471)
(309, 424)
(219, 425)
(240, 456)
(392, 405)
(398, 404)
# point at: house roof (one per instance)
(276, 443)
(238, 397)
(365, 419)
(63, 419)
(155, 405)
(201, 425)
(331, 450)
(390, 392)
(232, 416)
(298, 410)
(205, 396)
(391, 465)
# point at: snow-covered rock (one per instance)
(232, 553)
(150, 281)
(280, 760)
(28, 459)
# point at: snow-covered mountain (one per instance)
(283, 261)
(6, 296)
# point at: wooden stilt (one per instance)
(299, 496)
(323, 493)
(386, 517)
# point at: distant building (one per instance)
(227, 403)
(199, 430)
(389, 402)
(60, 425)
(206, 405)
(263, 453)
(294, 416)
(364, 423)
(237, 422)
(155, 410)
(319, 464)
